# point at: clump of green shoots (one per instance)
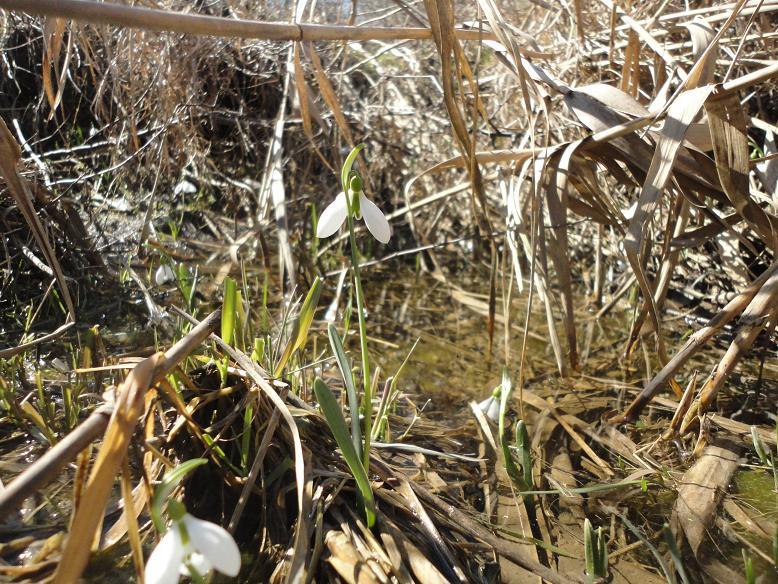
(521, 473)
(595, 553)
(767, 458)
(351, 205)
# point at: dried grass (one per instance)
(617, 132)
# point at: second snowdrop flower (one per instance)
(491, 405)
(191, 545)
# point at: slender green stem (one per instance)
(367, 400)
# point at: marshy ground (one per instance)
(545, 169)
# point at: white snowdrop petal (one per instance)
(374, 219)
(164, 274)
(215, 543)
(199, 562)
(332, 217)
(491, 408)
(164, 562)
(494, 410)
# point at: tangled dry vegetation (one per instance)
(582, 156)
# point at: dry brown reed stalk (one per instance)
(11, 351)
(119, 430)
(162, 20)
(696, 342)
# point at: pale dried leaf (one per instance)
(700, 492)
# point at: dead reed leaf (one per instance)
(306, 103)
(127, 410)
(198, 24)
(702, 66)
(557, 201)
(329, 94)
(131, 518)
(730, 145)
(53, 32)
(405, 555)
(441, 16)
(10, 155)
(702, 37)
(347, 561)
(680, 114)
(700, 492)
(273, 188)
(630, 71)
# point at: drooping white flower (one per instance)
(335, 214)
(491, 406)
(193, 542)
(164, 274)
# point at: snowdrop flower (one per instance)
(192, 544)
(491, 406)
(361, 207)
(164, 274)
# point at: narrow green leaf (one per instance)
(675, 553)
(259, 350)
(245, 440)
(601, 566)
(301, 326)
(344, 364)
(306, 313)
(759, 445)
(749, 567)
(337, 423)
(167, 486)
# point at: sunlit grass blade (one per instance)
(590, 489)
(187, 284)
(337, 423)
(649, 545)
(219, 452)
(775, 545)
(162, 493)
(759, 446)
(258, 354)
(344, 364)
(228, 310)
(301, 326)
(389, 399)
